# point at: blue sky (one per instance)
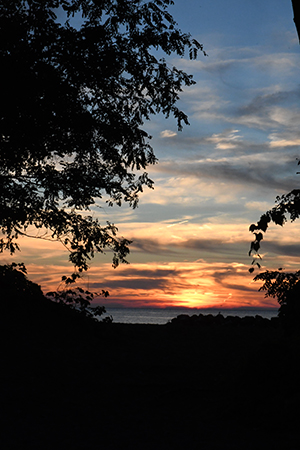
(216, 177)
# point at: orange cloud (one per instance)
(173, 263)
(191, 284)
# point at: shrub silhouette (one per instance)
(15, 285)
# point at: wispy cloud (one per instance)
(228, 139)
(284, 141)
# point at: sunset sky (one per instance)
(216, 177)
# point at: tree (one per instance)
(72, 111)
(286, 288)
(287, 207)
(278, 284)
(15, 284)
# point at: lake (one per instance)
(162, 316)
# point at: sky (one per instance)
(216, 177)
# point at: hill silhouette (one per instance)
(69, 382)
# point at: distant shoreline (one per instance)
(148, 315)
(241, 308)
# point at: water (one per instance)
(162, 316)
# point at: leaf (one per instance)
(259, 236)
(252, 227)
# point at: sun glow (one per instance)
(196, 283)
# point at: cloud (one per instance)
(278, 141)
(282, 249)
(193, 284)
(283, 64)
(177, 223)
(274, 109)
(226, 140)
(265, 171)
(243, 76)
(269, 100)
(152, 246)
(183, 247)
(168, 134)
(238, 61)
(258, 206)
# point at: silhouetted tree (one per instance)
(76, 92)
(279, 284)
(285, 287)
(15, 285)
(287, 208)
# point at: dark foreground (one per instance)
(66, 384)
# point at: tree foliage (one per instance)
(279, 284)
(78, 299)
(285, 287)
(80, 78)
(287, 208)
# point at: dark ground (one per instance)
(66, 384)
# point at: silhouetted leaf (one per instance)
(258, 236)
(252, 227)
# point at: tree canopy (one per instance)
(76, 94)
